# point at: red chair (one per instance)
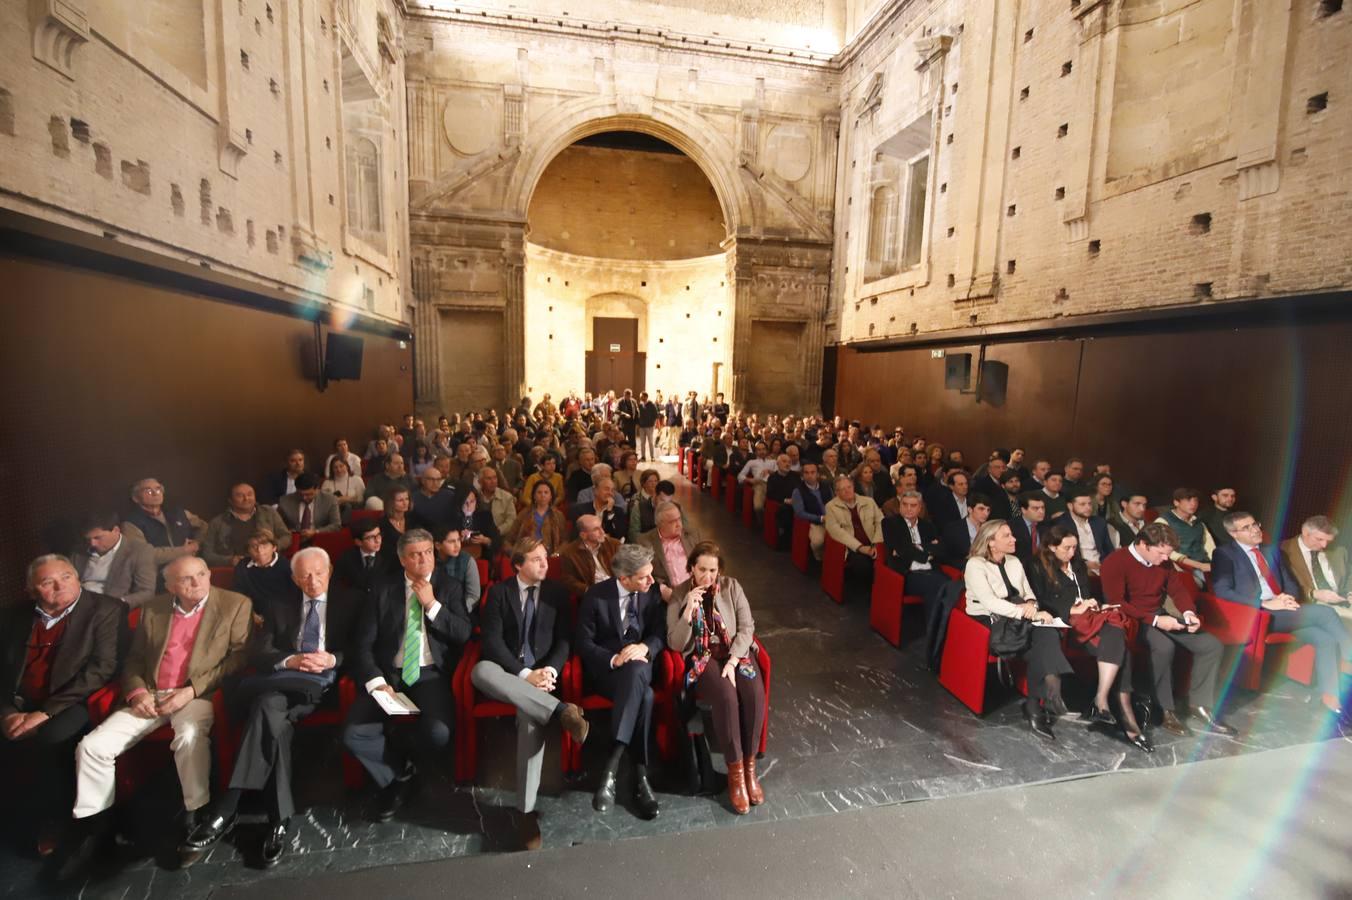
(716, 483)
(800, 550)
(676, 663)
(484, 579)
(555, 568)
(888, 600)
(292, 547)
(680, 462)
(833, 569)
(223, 577)
(693, 468)
(334, 543)
(770, 523)
(362, 515)
(749, 505)
(730, 493)
(1248, 627)
(965, 667)
(666, 690)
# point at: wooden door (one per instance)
(614, 362)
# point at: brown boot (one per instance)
(737, 789)
(754, 792)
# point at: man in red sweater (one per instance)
(1152, 591)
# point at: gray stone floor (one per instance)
(854, 723)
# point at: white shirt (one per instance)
(1088, 548)
(290, 484)
(49, 621)
(758, 469)
(1308, 553)
(914, 528)
(425, 655)
(305, 602)
(1264, 589)
(962, 504)
(95, 573)
(971, 528)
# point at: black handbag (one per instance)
(1009, 636)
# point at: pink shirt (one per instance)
(173, 673)
(674, 551)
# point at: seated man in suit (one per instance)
(362, 566)
(621, 632)
(585, 560)
(113, 564)
(308, 511)
(1074, 471)
(957, 536)
(602, 504)
(809, 504)
(1320, 571)
(1130, 519)
(913, 548)
(988, 484)
(227, 540)
(671, 542)
(408, 640)
(857, 523)
(1140, 580)
(947, 502)
(1092, 531)
(434, 503)
(1246, 571)
(297, 653)
(54, 653)
(282, 483)
(525, 644)
(188, 641)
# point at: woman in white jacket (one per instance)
(997, 586)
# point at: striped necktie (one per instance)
(413, 641)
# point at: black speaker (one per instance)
(342, 357)
(994, 382)
(957, 371)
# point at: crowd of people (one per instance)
(1046, 557)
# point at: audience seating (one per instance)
(334, 543)
(770, 523)
(223, 577)
(730, 493)
(716, 484)
(749, 506)
(965, 666)
(801, 549)
(1248, 627)
(361, 515)
(888, 600)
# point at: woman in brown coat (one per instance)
(539, 520)
(709, 623)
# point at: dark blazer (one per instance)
(1057, 595)
(1098, 526)
(351, 571)
(1233, 576)
(901, 552)
(131, 575)
(615, 521)
(380, 630)
(989, 488)
(86, 660)
(275, 487)
(480, 522)
(941, 505)
(599, 634)
(1023, 540)
(500, 633)
(277, 638)
(956, 543)
(264, 587)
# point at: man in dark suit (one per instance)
(308, 511)
(53, 655)
(408, 640)
(1246, 571)
(113, 564)
(1027, 527)
(297, 653)
(626, 416)
(525, 645)
(948, 502)
(1005, 505)
(621, 631)
(957, 537)
(988, 483)
(363, 565)
(1095, 542)
(280, 484)
(614, 520)
(913, 548)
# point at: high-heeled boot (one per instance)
(754, 792)
(737, 789)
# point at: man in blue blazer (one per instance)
(621, 631)
(1248, 572)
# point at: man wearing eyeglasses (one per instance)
(1249, 572)
(172, 531)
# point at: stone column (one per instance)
(427, 336)
(741, 284)
(514, 313)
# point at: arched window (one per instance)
(363, 187)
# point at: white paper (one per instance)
(1054, 623)
(395, 704)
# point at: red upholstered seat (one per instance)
(965, 667)
(1248, 628)
(360, 515)
(833, 569)
(223, 577)
(749, 506)
(888, 600)
(800, 550)
(676, 663)
(716, 484)
(770, 524)
(730, 493)
(334, 543)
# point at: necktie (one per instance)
(527, 653)
(369, 562)
(1321, 582)
(309, 632)
(1032, 534)
(632, 630)
(1265, 571)
(306, 517)
(412, 642)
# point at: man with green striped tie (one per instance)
(408, 641)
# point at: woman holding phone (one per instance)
(709, 623)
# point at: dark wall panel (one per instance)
(107, 380)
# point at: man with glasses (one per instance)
(621, 631)
(173, 532)
(1250, 572)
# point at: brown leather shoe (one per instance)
(737, 789)
(574, 721)
(1173, 724)
(528, 829)
(754, 792)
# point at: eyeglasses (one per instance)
(1252, 526)
(151, 490)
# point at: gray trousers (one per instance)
(534, 709)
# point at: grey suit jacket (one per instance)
(131, 576)
(327, 516)
(650, 539)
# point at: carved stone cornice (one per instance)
(59, 29)
(932, 48)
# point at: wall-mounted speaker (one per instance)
(957, 371)
(994, 382)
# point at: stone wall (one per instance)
(217, 133)
(1090, 156)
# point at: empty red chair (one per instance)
(800, 551)
(730, 493)
(694, 471)
(965, 667)
(770, 523)
(888, 600)
(223, 577)
(485, 580)
(681, 455)
(749, 505)
(666, 690)
(334, 543)
(833, 569)
(361, 515)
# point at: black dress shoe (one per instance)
(72, 862)
(1172, 724)
(1038, 721)
(1213, 721)
(1140, 742)
(208, 832)
(604, 798)
(389, 799)
(645, 803)
(274, 844)
(1097, 716)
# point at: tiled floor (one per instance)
(854, 723)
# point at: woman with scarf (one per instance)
(709, 623)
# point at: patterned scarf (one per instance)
(703, 652)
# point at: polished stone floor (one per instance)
(854, 723)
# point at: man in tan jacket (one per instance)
(856, 522)
(1320, 570)
(187, 642)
